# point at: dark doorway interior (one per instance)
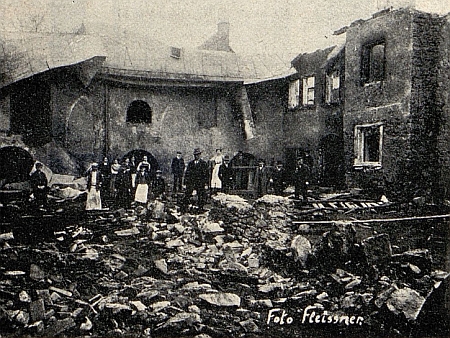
(15, 164)
(30, 111)
(331, 160)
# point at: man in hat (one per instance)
(300, 179)
(261, 179)
(278, 179)
(39, 184)
(195, 178)
(226, 174)
(158, 185)
(177, 171)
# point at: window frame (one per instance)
(367, 64)
(331, 98)
(359, 146)
(294, 94)
(305, 90)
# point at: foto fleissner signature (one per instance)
(310, 316)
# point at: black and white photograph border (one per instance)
(208, 168)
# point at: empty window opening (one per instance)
(139, 112)
(373, 62)
(368, 144)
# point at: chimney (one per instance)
(395, 4)
(219, 41)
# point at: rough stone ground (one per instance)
(240, 270)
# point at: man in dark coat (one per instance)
(240, 174)
(158, 185)
(105, 170)
(300, 179)
(278, 179)
(226, 175)
(39, 184)
(124, 185)
(261, 179)
(195, 178)
(177, 171)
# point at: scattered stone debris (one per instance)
(239, 269)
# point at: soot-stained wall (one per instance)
(386, 101)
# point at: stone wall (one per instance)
(78, 117)
(182, 119)
(426, 110)
(443, 99)
(386, 101)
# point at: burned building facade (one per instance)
(380, 102)
(373, 112)
(128, 95)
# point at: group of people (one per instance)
(221, 175)
(123, 183)
(277, 179)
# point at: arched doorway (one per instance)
(331, 161)
(139, 155)
(15, 164)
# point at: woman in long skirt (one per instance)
(216, 183)
(142, 181)
(115, 168)
(94, 183)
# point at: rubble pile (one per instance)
(238, 270)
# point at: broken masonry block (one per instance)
(37, 310)
(36, 273)
(59, 327)
(377, 249)
(61, 291)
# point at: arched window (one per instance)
(139, 112)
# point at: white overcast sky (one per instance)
(283, 27)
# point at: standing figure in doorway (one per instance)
(124, 185)
(240, 174)
(261, 179)
(195, 178)
(216, 161)
(105, 170)
(142, 185)
(278, 179)
(94, 185)
(133, 171)
(177, 171)
(115, 167)
(39, 184)
(300, 179)
(226, 175)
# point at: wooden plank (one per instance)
(378, 220)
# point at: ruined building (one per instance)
(373, 112)
(380, 103)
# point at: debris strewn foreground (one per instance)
(239, 270)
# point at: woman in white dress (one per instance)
(94, 183)
(142, 182)
(217, 160)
